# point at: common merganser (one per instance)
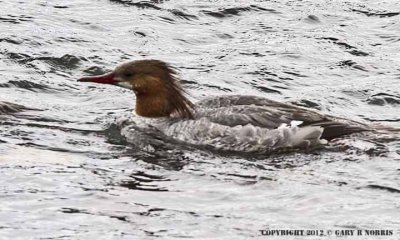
(232, 122)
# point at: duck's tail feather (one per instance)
(337, 129)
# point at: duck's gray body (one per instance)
(256, 124)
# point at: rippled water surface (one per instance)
(67, 173)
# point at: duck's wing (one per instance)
(247, 138)
(234, 100)
(262, 112)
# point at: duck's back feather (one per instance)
(233, 110)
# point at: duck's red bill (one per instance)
(107, 78)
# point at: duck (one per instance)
(238, 123)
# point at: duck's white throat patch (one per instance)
(125, 84)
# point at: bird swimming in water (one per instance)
(236, 123)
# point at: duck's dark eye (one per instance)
(128, 74)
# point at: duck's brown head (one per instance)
(157, 89)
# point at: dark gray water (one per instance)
(66, 172)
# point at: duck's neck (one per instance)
(152, 106)
(163, 105)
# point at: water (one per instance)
(66, 172)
